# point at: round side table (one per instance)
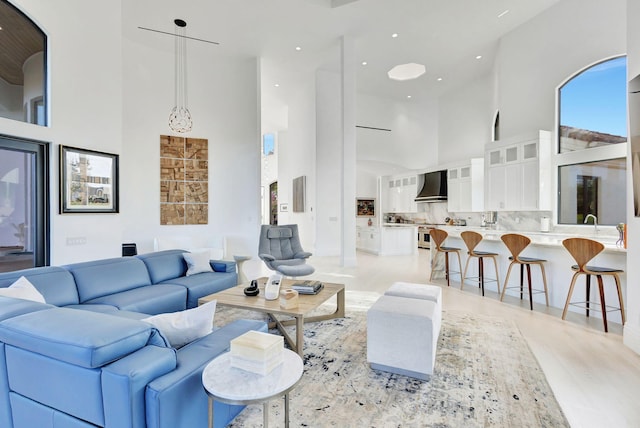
(242, 278)
(231, 385)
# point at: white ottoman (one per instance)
(416, 291)
(402, 335)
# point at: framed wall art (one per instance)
(88, 181)
(299, 193)
(365, 207)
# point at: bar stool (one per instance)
(516, 244)
(438, 236)
(583, 250)
(471, 240)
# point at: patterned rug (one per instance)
(485, 376)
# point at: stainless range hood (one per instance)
(434, 187)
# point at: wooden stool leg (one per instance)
(588, 292)
(544, 281)
(481, 273)
(603, 305)
(521, 279)
(459, 265)
(529, 281)
(433, 262)
(464, 274)
(495, 264)
(622, 314)
(506, 281)
(573, 283)
(446, 267)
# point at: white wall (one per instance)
(10, 101)
(328, 156)
(297, 156)
(224, 104)
(539, 55)
(632, 328)
(466, 121)
(85, 75)
(413, 140)
(97, 80)
(531, 62)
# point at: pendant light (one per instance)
(180, 117)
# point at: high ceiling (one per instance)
(444, 35)
(19, 39)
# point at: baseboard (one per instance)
(631, 337)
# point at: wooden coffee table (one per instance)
(234, 297)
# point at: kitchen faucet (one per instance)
(595, 221)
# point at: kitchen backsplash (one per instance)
(523, 221)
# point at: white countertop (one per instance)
(553, 239)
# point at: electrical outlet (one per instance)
(77, 240)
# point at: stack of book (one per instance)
(307, 287)
(257, 352)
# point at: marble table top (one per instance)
(236, 386)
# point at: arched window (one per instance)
(593, 114)
(23, 62)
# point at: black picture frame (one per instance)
(365, 207)
(88, 181)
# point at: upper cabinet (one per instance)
(399, 194)
(518, 174)
(465, 186)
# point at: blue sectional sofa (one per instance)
(84, 358)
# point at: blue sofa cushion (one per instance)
(108, 276)
(151, 299)
(87, 339)
(54, 283)
(203, 284)
(178, 399)
(28, 413)
(10, 307)
(164, 265)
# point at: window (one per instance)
(596, 188)
(592, 137)
(23, 62)
(24, 208)
(268, 144)
(593, 107)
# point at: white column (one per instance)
(348, 253)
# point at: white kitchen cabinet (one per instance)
(465, 187)
(518, 173)
(398, 240)
(368, 239)
(400, 194)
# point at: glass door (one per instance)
(23, 204)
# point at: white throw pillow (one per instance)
(22, 289)
(197, 262)
(180, 328)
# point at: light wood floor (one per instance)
(595, 378)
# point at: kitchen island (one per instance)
(546, 246)
(392, 239)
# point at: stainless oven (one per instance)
(424, 239)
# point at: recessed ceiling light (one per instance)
(394, 35)
(503, 13)
(277, 85)
(298, 48)
(0, 28)
(364, 62)
(479, 57)
(439, 79)
(408, 96)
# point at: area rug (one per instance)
(485, 376)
